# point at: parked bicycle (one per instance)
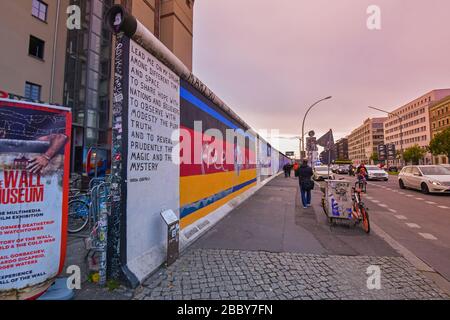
(83, 207)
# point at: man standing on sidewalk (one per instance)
(306, 184)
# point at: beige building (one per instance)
(440, 121)
(33, 36)
(415, 123)
(364, 140)
(169, 20)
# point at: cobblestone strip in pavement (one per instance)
(248, 275)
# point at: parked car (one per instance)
(342, 169)
(446, 166)
(393, 169)
(432, 178)
(376, 173)
(321, 173)
(334, 168)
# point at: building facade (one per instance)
(88, 84)
(414, 120)
(33, 36)
(440, 121)
(73, 66)
(363, 141)
(341, 147)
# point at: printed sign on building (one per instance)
(34, 176)
(148, 93)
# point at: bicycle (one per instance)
(362, 183)
(359, 212)
(83, 207)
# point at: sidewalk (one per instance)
(270, 248)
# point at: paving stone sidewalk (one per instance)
(235, 274)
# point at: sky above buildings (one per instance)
(270, 60)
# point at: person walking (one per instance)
(296, 168)
(305, 173)
(286, 169)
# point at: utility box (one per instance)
(173, 235)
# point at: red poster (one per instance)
(34, 184)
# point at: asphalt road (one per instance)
(419, 222)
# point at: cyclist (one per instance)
(361, 174)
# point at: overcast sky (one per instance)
(270, 60)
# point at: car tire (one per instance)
(386, 179)
(401, 184)
(424, 188)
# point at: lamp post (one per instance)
(302, 151)
(401, 128)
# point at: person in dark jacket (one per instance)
(287, 170)
(305, 173)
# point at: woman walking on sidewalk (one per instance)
(305, 173)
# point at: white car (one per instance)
(321, 173)
(428, 179)
(375, 173)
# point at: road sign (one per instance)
(311, 144)
(381, 152)
(290, 153)
(390, 150)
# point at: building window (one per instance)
(33, 91)
(36, 47)
(39, 10)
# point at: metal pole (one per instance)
(303, 125)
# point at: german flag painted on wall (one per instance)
(218, 157)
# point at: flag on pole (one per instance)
(327, 140)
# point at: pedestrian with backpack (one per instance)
(305, 173)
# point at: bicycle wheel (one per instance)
(324, 207)
(78, 216)
(365, 219)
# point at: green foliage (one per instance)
(414, 154)
(374, 157)
(440, 144)
(112, 285)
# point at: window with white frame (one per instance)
(39, 10)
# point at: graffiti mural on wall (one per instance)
(207, 184)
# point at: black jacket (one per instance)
(305, 173)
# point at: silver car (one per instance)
(375, 173)
(321, 173)
(435, 179)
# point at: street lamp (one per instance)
(401, 127)
(302, 152)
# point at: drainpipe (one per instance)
(55, 40)
(158, 19)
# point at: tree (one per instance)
(414, 154)
(440, 144)
(374, 157)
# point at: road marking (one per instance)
(393, 210)
(402, 193)
(428, 236)
(383, 205)
(375, 201)
(443, 207)
(370, 198)
(413, 225)
(419, 199)
(410, 196)
(430, 202)
(411, 257)
(400, 217)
